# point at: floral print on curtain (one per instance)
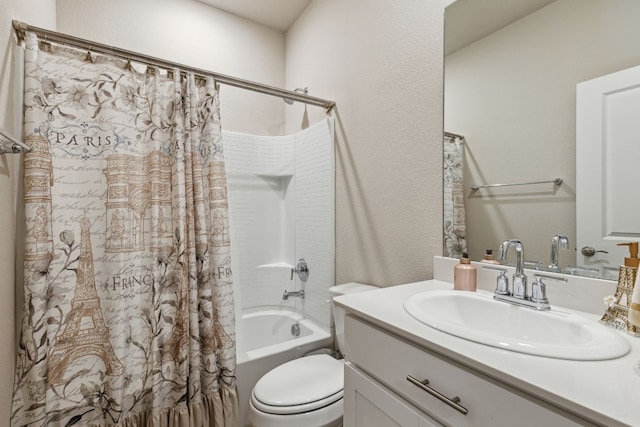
(455, 234)
(128, 316)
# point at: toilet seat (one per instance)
(301, 385)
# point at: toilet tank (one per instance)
(338, 312)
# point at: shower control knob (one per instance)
(590, 251)
(302, 270)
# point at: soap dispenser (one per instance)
(489, 257)
(632, 260)
(617, 314)
(464, 275)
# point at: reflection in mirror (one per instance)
(455, 243)
(511, 70)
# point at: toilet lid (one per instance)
(300, 385)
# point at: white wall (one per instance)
(40, 13)
(512, 94)
(382, 63)
(194, 34)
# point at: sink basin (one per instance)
(477, 317)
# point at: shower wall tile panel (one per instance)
(258, 155)
(315, 201)
(259, 170)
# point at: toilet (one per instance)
(306, 391)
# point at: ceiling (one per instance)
(278, 14)
(467, 21)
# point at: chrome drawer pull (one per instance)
(453, 402)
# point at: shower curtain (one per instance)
(128, 317)
(455, 234)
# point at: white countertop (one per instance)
(606, 392)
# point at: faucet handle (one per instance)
(502, 283)
(535, 265)
(301, 269)
(538, 287)
(491, 267)
(538, 291)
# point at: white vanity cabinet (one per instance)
(369, 404)
(379, 393)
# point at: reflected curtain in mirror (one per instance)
(128, 316)
(455, 235)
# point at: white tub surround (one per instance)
(578, 392)
(267, 333)
(281, 200)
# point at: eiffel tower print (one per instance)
(617, 314)
(176, 348)
(83, 332)
(215, 338)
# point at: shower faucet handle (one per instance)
(302, 269)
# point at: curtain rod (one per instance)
(48, 35)
(10, 144)
(453, 135)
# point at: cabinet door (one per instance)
(390, 360)
(368, 404)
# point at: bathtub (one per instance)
(264, 341)
(267, 333)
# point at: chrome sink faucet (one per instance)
(557, 242)
(519, 278)
(538, 299)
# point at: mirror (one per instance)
(511, 70)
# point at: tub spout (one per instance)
(287, 294)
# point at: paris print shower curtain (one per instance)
(455, 229)
(128, 316)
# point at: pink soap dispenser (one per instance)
(464, 275)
